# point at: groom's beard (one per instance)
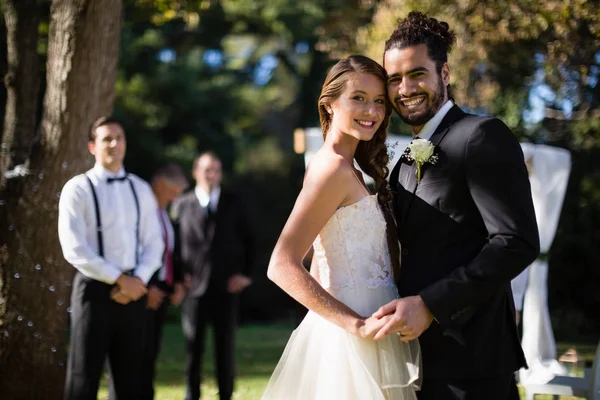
(420, 117)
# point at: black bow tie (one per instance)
(119, 179)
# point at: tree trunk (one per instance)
(22, 82)
(35, 281)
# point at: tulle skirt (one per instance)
(324, 362)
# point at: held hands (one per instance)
(129, 288)
(116, 295)
(372, 325)
(237, 283)
(409, 317)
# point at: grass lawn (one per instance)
(257, 351)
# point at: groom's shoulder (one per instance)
(485, 131)
(474, 127)
(467, 119)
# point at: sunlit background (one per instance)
(241, 76)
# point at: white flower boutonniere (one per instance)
(421, 151)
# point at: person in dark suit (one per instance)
(217, 251)
(466, 225)
(166, 285)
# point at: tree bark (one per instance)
(35, 281)
(22, 82)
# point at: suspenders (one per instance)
(137, 222)
(99, 220)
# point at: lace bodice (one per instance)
(351, 250)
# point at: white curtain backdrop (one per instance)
(549, 175)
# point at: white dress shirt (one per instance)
(165, 222)
(205, 198)
(77, 226)
(431, 125)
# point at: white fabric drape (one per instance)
(549, 175)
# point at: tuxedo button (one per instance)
(404, 251)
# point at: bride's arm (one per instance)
(325, 189)
(314, 267)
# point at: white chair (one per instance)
(587, 387)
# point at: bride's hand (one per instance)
(372, 325)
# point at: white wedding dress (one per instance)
(323, 361)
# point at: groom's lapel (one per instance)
(408, 170)
(453, 115)
(408, 181)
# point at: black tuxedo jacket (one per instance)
(466, 230)
(213, 254)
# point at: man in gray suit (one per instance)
(217, 253)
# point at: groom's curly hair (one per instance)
(371, 156)
(417, 28)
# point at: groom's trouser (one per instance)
(496, 388)
(197, 312)
(101, 327)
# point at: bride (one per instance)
(332, 354)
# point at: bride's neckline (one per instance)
(360, 182)
(362, 185)
(356, 202)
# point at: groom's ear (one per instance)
(446, 74)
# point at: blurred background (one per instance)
(241, 76)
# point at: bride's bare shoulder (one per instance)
(327, 167)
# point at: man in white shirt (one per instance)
(110, 232)
(166, 286)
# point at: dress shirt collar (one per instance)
(431, 125)
(204, 198)
(103, 174)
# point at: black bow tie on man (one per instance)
(118, 179)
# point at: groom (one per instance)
(465, 221)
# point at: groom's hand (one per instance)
(372, 326)
(410, 317)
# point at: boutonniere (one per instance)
(421, 151)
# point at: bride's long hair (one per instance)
(372, 156)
